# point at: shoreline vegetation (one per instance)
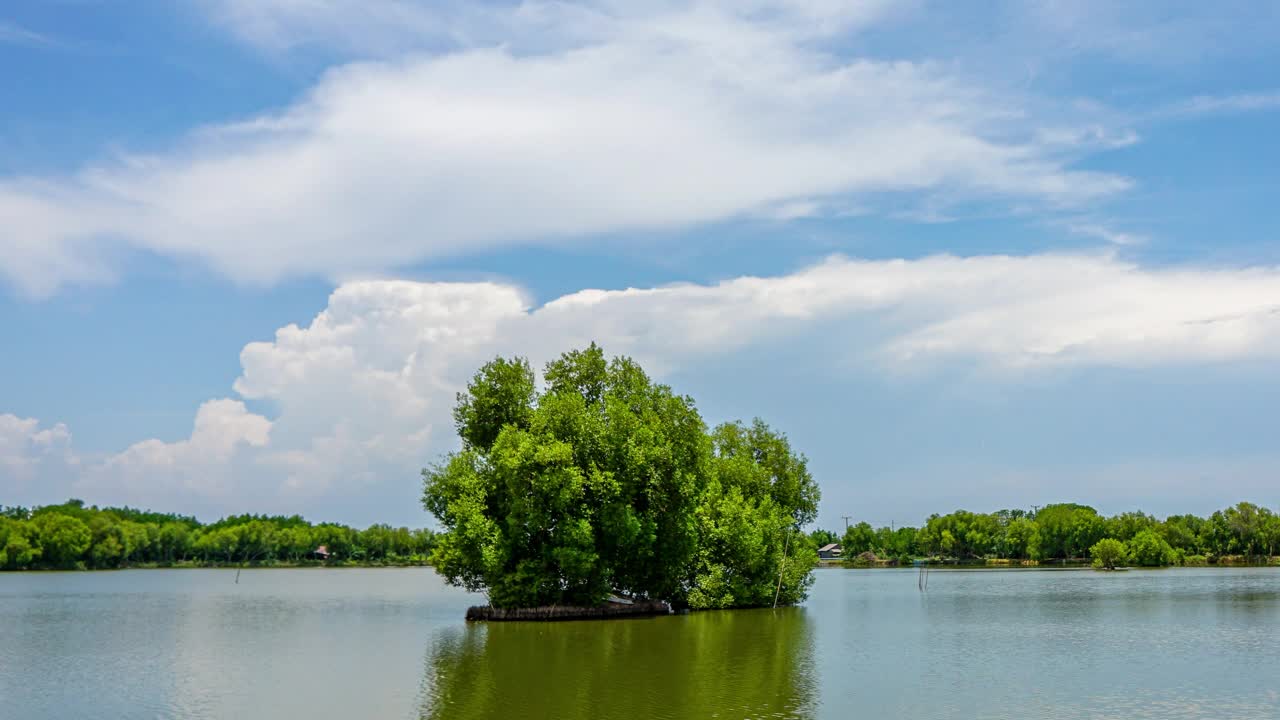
(600, 483)
(73, 536)
(1066, 535)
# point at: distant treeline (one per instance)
(72, 535)
(1068, 532)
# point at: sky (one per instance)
(966, 255)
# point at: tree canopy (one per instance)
(1107, 553)
(72, 535)
(607, 482)
(1068, 532)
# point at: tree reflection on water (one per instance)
(728, 664)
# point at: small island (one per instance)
(604, 494)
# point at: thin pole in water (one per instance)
(786, 544)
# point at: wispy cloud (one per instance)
(1215, 104)
(1104, 232)
(14, 34)
(669, 118)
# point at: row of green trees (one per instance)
(607, 483)
(72, 535)
(1069, 532)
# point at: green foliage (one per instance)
(501, 395)
(902, 543)
(16, 547)
(1068, 530)
(820, 538)
(759, 495)
(858, 539)
(961, 535)
(1149, 549)
(1184, 533)
(1065, 532)
(1249, 530)
(1020, 539)
(63, 539)
(73, 535)
(1126, 526)
(609, 483)
(1108, 553)
(861, 543)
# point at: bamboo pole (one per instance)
(783, 566)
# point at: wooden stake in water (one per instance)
(786, 543)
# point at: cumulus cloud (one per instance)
(364, 392)
(673, 116)
(32, 455)
(222, 427)
(215, 462)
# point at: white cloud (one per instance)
(216, 461)
(670, 117)
(363, 393)
(32, 455)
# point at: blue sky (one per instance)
(966, 256)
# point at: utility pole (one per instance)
(847, 518)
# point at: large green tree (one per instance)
(761, 493)
(961, 534)
(1021, 539)
(63, 539)
(606, 482)
(858, 539)
(1150, 549)
(16, 549)
(1068, 530)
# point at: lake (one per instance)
(391, 643)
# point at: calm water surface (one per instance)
(312, 643)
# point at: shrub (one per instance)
(864, 559)
(1107, 553)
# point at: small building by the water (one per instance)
(320, 553)
(830, 552)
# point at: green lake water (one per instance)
(371, 643)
